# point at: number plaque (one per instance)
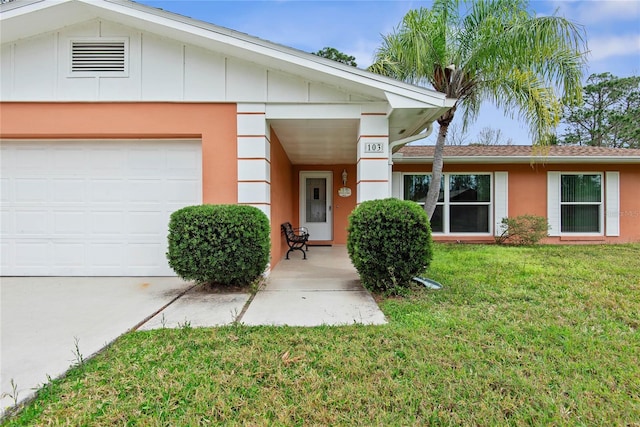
(373, 147)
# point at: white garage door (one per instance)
(93, 208)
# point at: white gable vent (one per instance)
(99, 57)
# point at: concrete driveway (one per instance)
(44, 317)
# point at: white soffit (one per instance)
(318, 141)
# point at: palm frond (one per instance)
(493, 50)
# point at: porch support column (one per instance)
(373, 154)
(254, 157)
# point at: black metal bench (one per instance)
(296, 238)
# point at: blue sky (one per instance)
(355, 27)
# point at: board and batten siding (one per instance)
(158, 69)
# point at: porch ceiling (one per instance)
(334, 141)
(318, 141)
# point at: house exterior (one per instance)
(115, 114)
(587, 194)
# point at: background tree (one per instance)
(493, 50)
(491, 136)
(610, 115)
(457, 136)
(336, 55)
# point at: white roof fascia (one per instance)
(267, 50)
(399, 101)
(399, 158)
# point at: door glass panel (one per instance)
(316, 198)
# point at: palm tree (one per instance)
(494, 50)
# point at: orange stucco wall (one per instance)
(281, 197)
(528, 194)
(342, 206)
(214, 124)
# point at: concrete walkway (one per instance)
(324, 289)
(48, 323)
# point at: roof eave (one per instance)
(399, 158)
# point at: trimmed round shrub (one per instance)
(389, 243)
(225, 244)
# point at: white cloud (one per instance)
(597, 12)
(608, 46)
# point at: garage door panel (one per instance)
(7, 221)
(145, 190)
(31, 190)
(6, 190)
(181, 191)
(32, 254)
(110, 223)
(69, 255)
(105, 254)
(32, 222)
(182, 162)
(93, 207)
(68, 190)
(29, 157)
(68, 158)
(106, 190)
(145, 254)
(144, 162)
(145, 223)
(69, 223)
(6, 258)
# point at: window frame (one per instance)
(601, 219)
(446, 203)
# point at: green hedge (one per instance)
(225, 244)
(389, 243)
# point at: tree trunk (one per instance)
(436, 170)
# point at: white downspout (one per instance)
(400, 143)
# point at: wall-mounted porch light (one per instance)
(344, 191)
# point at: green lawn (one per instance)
(519, 336)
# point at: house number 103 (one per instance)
(373, 147)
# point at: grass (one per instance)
(542, 335)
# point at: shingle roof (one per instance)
(502, 153)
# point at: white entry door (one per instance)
(316, 209)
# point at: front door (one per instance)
(316, 211)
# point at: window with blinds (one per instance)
(581, 203)
(99, 57)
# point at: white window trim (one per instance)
(446, 203)
(600, 209)
(93, 74)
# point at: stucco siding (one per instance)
(213, 124)
(281, 197)
(527, 194)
